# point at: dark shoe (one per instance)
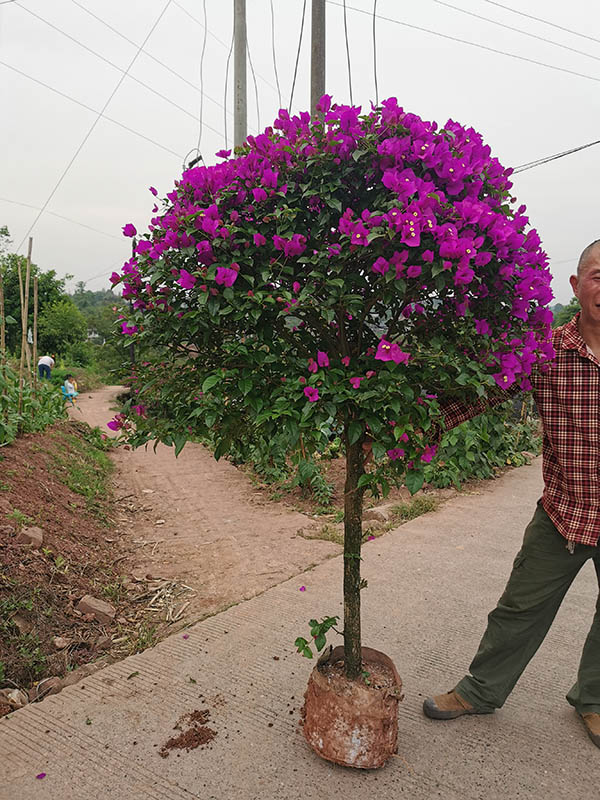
(449, 706)
(592, 726)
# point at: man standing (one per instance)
(45, 365)
(565, 529)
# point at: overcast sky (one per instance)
(524, 111)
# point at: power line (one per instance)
(216, 38)
(540, 19)
(538, 162)
(89, 108)
(273, 50)
(115, 66)
(60, 216)
(348, 53)
(471, 44)
(375, 53)
(202, 78)
(95, 122)
(148, 55)
(297, 56)
(516, 30)
(255, 84)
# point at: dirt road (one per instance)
(217, 535)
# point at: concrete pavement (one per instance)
(431, 584)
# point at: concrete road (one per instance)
(431, 584)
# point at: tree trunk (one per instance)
(352, 542)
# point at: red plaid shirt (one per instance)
(568, 400)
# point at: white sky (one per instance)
(524, 111)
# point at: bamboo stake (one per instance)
(35, 317)
(24, 311)
(2, 324)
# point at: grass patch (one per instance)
(83, 465)
(414, 508)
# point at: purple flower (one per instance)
(115, 278)
(322, 359)
(413, 271)
(259, 194)
(153, 190)
(41, 776)
(346, 361)
(312, 365)
(114, 425)
(223, 153)
(395, 453)
(302, 589)
(186, 279)
(311, 393)
(355, 382)
(381, 266)
(386, 351)
(482, 327)
(296, 287)
(428, 453)
(259, 239)
(129, 229)
(139, 410)
(226, 276)
(128, 330)
(185, 636)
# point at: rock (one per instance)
(375, 514)
(14, 697)
(6, 530)
(24, 625)
(160, 522)
(33, 536)
(103, 612)
(103, 643)
(46, 687)
(84, 671)
(60, 642)
(148, 491)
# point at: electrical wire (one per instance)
(216, 38)
(274, 57)
(348, 54)
(227, 77)
(148, 55)
(89, 108)
(255, 84)
(540, 19)
(471, 44)
(115, 66)
(202, 78)
(297, 56)
(538, 162)
(95, 122)
(60, 216)
(375, 53)
(516, 30)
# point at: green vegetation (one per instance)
(414, 508)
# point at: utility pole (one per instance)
(317, 54)
(240, 125)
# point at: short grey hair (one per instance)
(587, 255)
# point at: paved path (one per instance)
(431, 583)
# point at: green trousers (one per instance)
(542, 573)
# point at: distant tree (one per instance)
(61, 325)
(565, 313)
(50, 290)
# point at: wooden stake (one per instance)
(24, 292)
(35, 317)
(2, 324)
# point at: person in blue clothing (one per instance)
(70, 388)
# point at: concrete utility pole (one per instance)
(317, 54)
(240, 124)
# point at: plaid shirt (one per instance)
(568, 400)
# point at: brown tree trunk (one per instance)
(352, 542)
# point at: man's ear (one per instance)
(574, 283)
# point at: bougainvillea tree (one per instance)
(347, 272)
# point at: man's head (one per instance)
(586, 284)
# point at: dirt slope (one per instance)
(219, 536)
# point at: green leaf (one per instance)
(414, 481)
(365, 480)
(378, 450)
(320, 641)
(179, 441)
(245, 385)
(209, 382)
(355, 430)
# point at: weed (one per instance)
(19, 517)
(4, 487)
(414, 508)
(326, 532)
(114, 591)
(146, 637)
